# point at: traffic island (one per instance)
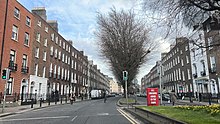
(150, 117)
(177, 114)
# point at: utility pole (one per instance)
(160, 76)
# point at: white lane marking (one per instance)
(38, 118)
(103, 114)
(74, 118)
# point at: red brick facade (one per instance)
(16, 44)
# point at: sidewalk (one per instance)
(25, 108)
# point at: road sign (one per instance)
(152, 97)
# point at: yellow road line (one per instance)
(128, 117)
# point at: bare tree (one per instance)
(187, 12)
(124, 42)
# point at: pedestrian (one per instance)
(72, 98)
(105, 98)
(173, 97)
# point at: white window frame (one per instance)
(46, 29)
(17, 13)
(26, 38)
(45, 42)
(15, 33)
(28, 21)
(45, 56)
(39, 23)
(38, 37)
(37, 50)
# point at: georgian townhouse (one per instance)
(151, 80)
(199, 62)
(16, 28)
(51, 58)
(212, 35)
(97, 80)
(177, 68)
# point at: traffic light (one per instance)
(125, 75)
(4, 74)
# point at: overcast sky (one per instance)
(77, 22)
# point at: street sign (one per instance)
(152, 97)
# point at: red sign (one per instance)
(152, 97)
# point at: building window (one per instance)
(186, 47)
(55, 53)
(213, 63)
(59, 56)
(37, 52)
(24, 61)
(38, 37)
(9, 87)
(51, 50)
(183, 75)
(15, 33)
(17, 13)
(63, 57)
(210, 43)
(12, 56)
(208, 28)
(52, 37)
(39, 23)
(28, 21)
(45, 56)
(60, 44)
(66, 59)
(26, 38)
(187, 59)
(56, 40)
(64, 45)
(189, 75)
(67, 47)
(45, 42)
(46, 29)
(44, 71)
(36, 69)
(182, 62)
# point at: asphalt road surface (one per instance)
(85, 112)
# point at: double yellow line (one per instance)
(128, 116)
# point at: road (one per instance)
(85, 112)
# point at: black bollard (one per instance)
(66, 99)
(32, 103)
(40, 102)
(49, 101)
(61, 100)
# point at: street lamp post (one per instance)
(161, 99)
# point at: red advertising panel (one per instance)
(152, 97)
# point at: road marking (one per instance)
(74, 118)
(38, 118)
(128, 116)
(103, 114)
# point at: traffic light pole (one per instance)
(6, 80)
(126, 91)
(3, 106)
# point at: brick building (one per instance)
(177, 67)
(16, 29)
